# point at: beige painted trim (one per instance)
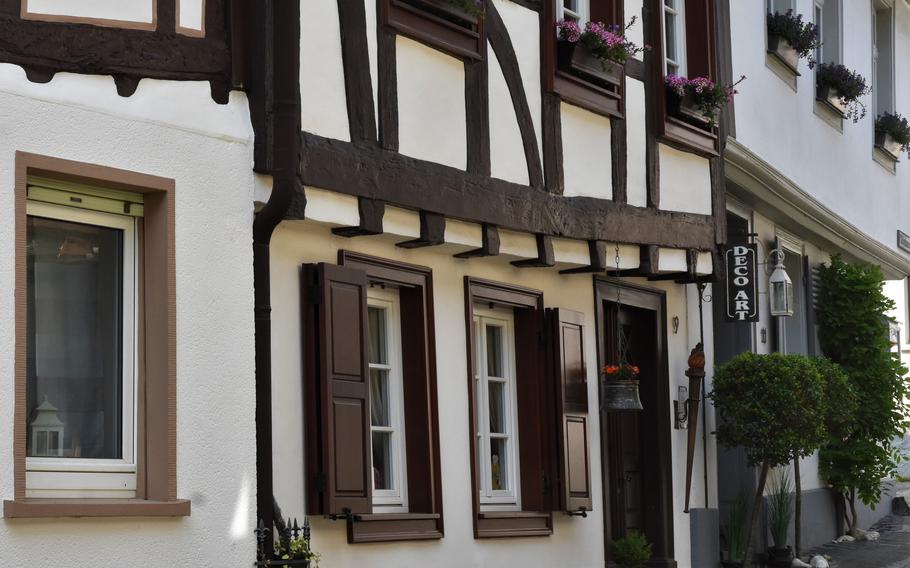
(122, 24)
(157, 391)
(190, 32)
(759, 185)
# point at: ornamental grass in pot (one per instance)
(780, 512)
(791, 39)
(892, 134)
(698, 101)
(842, 89)
(598, 53)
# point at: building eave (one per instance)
(760, 185)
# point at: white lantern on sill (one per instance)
(47, 431)
(780, 287)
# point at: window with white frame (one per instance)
(779, 6)
(573, 10)
(387, 400)
(827, 16)
(497, 431)
(674, 32)
(82, 344)
(882, 57)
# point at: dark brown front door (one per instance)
(635, 447)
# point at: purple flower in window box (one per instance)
(698, 101)
(791, 39)
(841, 89)
(597, 53)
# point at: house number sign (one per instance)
(742, 287)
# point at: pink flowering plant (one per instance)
(709, 97)
(607, 43)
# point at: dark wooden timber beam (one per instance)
(432, 231)
(489, 244)
(545, 257)
(356, 59)
(598, 252)
(369, 171)
(371, 213)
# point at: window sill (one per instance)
(448, 30)
(782, 69)
(688, 138)
(512, 524)
(575, 90)
(49, 508)
(830, 115)
(885, 159)
(392, 527)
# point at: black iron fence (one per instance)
(292, 547)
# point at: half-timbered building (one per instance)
(463, 229)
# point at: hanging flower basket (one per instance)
(620, 388)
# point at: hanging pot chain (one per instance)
(618, 288)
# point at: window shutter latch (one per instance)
(346, 515)
(581, 512)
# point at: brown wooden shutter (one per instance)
(338, 393)
(572, 399)
(700, 51)
(606, 11)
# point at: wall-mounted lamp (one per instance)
(780, 286)
(681, 408)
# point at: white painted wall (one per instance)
(191, 14)
(323, 104)
(685, 181)
(782, 127)
(141, 11)
(431, 104)
(176, 131)
(507, 155)
(636, 144)
(576, 542)
(587, 160)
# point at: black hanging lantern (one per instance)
(620, 395)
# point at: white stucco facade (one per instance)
(206, 149)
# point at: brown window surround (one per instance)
(553, 452)
(574, 87)
(436, 24)
(701, 61)
(25, 14)
(346, 491)
(157, 411)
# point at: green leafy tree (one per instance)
(774, 407)
(854, 333)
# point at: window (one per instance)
(779, 6)
(674, 37)
(386, 401)
(494, 372)
(883, 58)
(95, 384)
(372, 431)
(575, 10)
(528, 410)
(828, 20)
(81, 352)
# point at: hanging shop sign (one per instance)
(742, 284)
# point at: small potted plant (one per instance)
(733, 534)
(892, 134)
(698, 101)
(620, 388)
(790, 39)
(598, 53)
(841, 89)
(780, 512)
(297, 552)
(630, 551)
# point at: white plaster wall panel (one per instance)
(215, 448)
(372, 51)
(524, 31)
(401, 222)
(586, 153)
(507, 155)
(636, 144)
(137, 11)
(323, 104)
(521, 245)
(632, 8)
(782, 127)
(568, 251)
(463, 233)
(431, 105)
(685, 181)
(575, 543)
(191, 14)
(671, 260)
(704, 264)
(331, 207)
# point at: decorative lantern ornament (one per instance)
(780, 287)
(47, 431)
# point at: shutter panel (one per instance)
(605, 11)
(572, 398)
(339, 373)
(699, 22)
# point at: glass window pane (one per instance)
(75, 330)
(377, 324)
(379, 398)
(499, 464)
(382, 461)
(494, 351)
(670, 30)
(497, 407)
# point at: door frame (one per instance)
(661, 479)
